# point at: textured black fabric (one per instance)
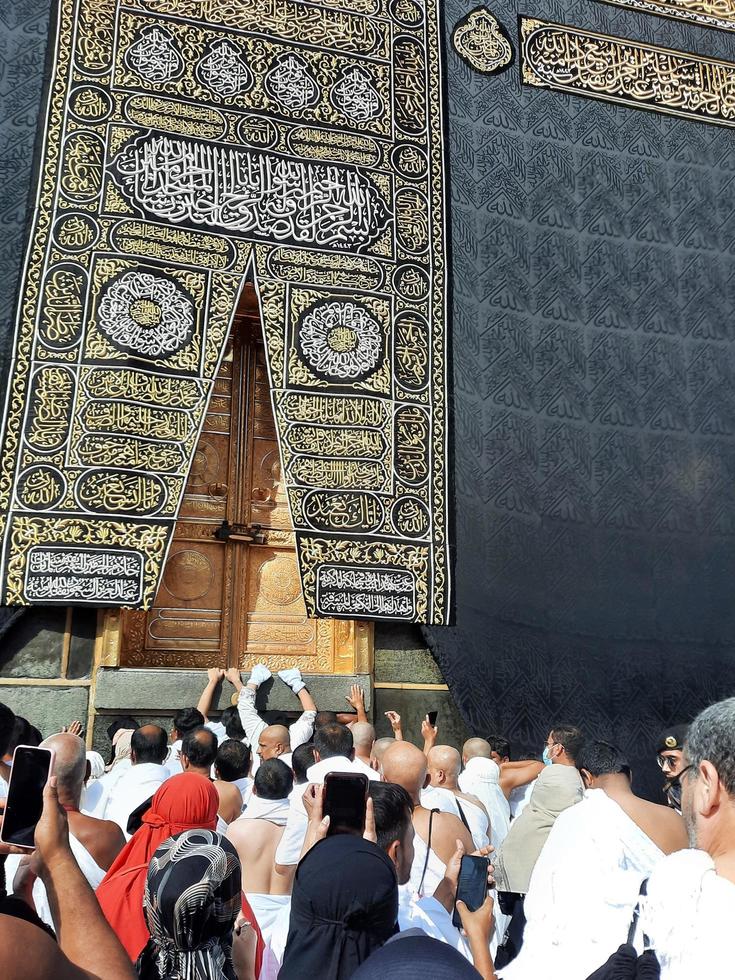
(24, 29)
(24, 37)
(594, 402)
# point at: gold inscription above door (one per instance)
(231, 594)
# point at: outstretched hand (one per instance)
(356, 697)
(429, 732)
(215, 675)
(232, 674)
(395, 723)
(74, 729)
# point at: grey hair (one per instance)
(712, 737)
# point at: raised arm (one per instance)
(232, 674)
(356, 699)
(214, 676)
(84, 934)
(395, 723)
(515, 774)
(429, 733)
(478, 927)
(303, 728)
(249, 717)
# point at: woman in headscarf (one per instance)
(121, 747)
(416, 956)
(344, 907)
(184, 802)
(556, 789)
(192, 901)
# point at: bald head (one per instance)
(70, 766)
(380, 747)
(363, 737)
(444, 765)
(274, 741)
(476, 748)
(404, 764)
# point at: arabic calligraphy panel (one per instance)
(617, 70)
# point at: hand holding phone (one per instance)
(29, 774)
(471, 885)
(432, 715)
(345, 802)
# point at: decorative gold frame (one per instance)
(354, 644)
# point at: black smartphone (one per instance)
(31, 769)
(345, 801)
(472, 885)
(432, 717)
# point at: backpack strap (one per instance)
(428, 852)
(462, 817)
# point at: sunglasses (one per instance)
(666, 761)
(673, 788)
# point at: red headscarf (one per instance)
(184, 802)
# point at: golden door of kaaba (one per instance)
(230, 594)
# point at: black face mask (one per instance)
(673, 789)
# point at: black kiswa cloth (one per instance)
(344, 907)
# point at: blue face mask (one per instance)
(547, 756)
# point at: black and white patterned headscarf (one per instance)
(192, 899)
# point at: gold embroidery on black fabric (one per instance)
(190, 144)
(632, 74)
(707, 13)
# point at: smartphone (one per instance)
(31, 769)
(345, 800)
(432, 717)
(472, 885)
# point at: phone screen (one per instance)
(472, 884)
(23, 808)
(345, 799)
(432, 717)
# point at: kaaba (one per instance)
(387, 338)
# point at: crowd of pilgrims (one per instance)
(207, 855)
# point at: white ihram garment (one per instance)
(481, 778)
(688, 917)
(87, 865)
(103, 787)
(583, 891)
(446, 800)
(435, 869)
(431, 917)
(135, 786)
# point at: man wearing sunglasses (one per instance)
(670, 750)
(670, 759)
(690, 908)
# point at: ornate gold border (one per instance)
(704, 13)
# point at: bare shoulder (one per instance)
(227, 791)
(673, 829)
(449, 829)
(662, 824)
